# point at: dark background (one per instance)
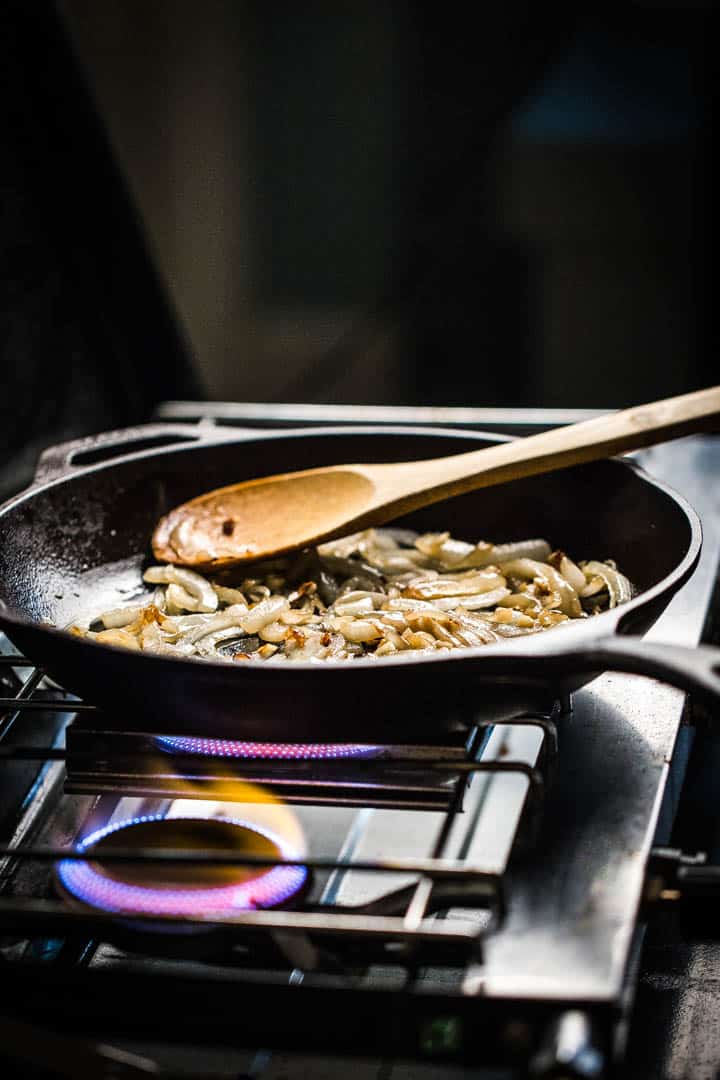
(358, 202)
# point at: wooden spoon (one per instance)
(274, 514)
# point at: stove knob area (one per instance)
(568, 1050)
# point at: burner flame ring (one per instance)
(179, 890)
(251, 751)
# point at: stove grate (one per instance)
(400, 918)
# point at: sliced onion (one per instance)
(116, 636)
(398, 562)
(153, 640)
(507, 630)
(392, 535)
(594, 586)
(569, 570)
(232, 617)
(178, 600)
(358, 603)
(345, 546)
(468, 584)
(198, 587)
(418, 639)
(357, 630)
(390, 634)
(512, 617)
(472, 638)
(477, 627)
(298, 617)
(266, 651)
(474, 603)
(488, 554)
(227, 595)
(442, 547)
(274, 632)
(618, 587)
(119, 617)
(551, 618)
(550, 578)
(403, 603)
(521, 601)
(265, 612)
(308, 648)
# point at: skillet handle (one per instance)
(65, 458)
(695, 670)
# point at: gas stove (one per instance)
(432, 909)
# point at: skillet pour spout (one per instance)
(77, 542)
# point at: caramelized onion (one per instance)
(378, 593)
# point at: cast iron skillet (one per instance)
(77, 540)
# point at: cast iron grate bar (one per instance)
(32, 753)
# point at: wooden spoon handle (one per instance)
(424, 482)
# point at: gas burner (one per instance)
(181, 891)
(150, 764)
(252, 751)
